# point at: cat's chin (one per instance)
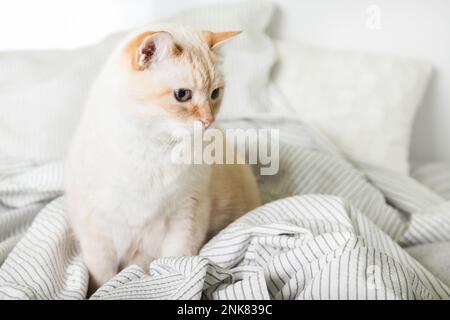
(173, 126)
(183, 124)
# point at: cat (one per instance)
(127, 202)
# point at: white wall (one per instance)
(43, 24)
(417, 28)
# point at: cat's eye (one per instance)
(182, 95)
(215, 93)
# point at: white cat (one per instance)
(128, 203)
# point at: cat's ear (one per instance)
(150, 47)
(215, 39)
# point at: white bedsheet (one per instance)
(328, 231)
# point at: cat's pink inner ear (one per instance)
(149, 47)
(217, 38)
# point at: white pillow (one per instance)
(364, 102)
(41, 97)
(42, 92)
(248, 58)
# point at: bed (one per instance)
(328, 230)
(332, 226)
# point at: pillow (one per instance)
(248, 58)
(364, 102)
(42, 92)
(41, 98)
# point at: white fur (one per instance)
(127, 202)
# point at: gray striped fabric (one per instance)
(329, 230)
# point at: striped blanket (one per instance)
(329, 229)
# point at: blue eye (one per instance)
(182, 95)
(215, 93)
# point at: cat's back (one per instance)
(234, 192)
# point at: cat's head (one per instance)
(175, 74)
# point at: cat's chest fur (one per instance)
(138, 189)
(153, 186)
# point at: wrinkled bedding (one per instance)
(329, 229)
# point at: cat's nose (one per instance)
(207, 122)
(205, 115)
